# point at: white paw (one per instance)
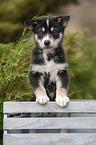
(62, 100)
(42, 99)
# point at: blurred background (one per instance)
(16, 43)
(13, 14)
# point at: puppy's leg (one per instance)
(41, 96)
(39, 90)
(62, 88)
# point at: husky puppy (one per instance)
(48, 73)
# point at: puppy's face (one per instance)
(48, 31)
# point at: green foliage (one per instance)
(10, 32)
(14, 68)
(14, 13)
(81, 56)
(15, 60)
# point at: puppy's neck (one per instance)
(48, 54)
(50, 50)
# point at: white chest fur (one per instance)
(49, 66)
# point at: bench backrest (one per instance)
(81, 115)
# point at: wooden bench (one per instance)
(80, 123)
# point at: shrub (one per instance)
(81, 56)
(15, 60)
(14, 68)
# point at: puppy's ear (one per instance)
(31, 24)
(63, 20)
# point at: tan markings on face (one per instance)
(53, 42)
(43, 29)
(52, 28)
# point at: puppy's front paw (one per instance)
(62, 100)
(42, 99)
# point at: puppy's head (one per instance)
(48, 31)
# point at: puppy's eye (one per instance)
(55, 30)
(40, 31)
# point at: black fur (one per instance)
(58, 55)
(37, 58)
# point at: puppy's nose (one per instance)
(47, 42)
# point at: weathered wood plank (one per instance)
(51, 123)
(50, 139)
(88, 106)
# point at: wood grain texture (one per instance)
(85, 121)
(51, 123)
(50, 139)
(81, 106)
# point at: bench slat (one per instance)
(51, 123)
(50, 139)
(85, 106)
